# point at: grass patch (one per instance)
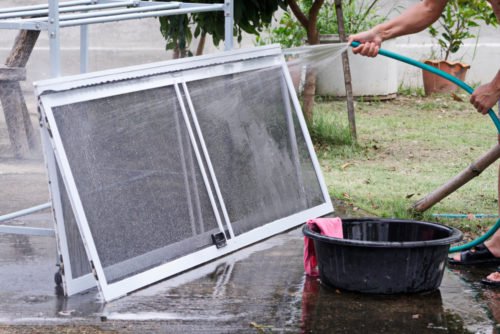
(411, 91)
(407, 148)
(329, 128)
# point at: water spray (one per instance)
(318, 55)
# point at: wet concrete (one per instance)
(261, 289)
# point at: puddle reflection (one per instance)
(491, 297)
(325, 310)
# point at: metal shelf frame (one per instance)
(56, 15)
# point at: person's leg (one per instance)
(483, 254)
(492, 279)
(492, 250)
(487, 253)
(494, 243)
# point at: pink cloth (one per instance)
(331, 227)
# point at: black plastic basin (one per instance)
(384, 255)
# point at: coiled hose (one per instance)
(469, 90)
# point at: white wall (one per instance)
(139, 41)
(483, 55)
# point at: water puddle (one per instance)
(268, 288)
(447, 310)
(260, 289)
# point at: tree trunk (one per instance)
(310, 24)
(23, 46)
(20, 128)
(458, 181)
(311, 75)
(347, 72)
(309, 93)
(183, 53)
(176, 51)
(201, 43)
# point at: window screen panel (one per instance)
(262, 167)
(137, 178)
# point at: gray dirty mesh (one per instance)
(79, 262)
(256, 146)
(308, 174)
(136, 175)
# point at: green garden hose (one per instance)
(469, 90)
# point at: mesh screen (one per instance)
(79, 262)
(256, 146)
(139, 183)
(312, 188)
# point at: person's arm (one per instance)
(495, 5)
(485, 96)
(414, 19)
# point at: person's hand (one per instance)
(485, 97)
(370, 43)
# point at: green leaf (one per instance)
(250, 16)
(459, 21)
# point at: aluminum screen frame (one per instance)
(64, 91)
(72, 283)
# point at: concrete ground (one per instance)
(261, 289)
